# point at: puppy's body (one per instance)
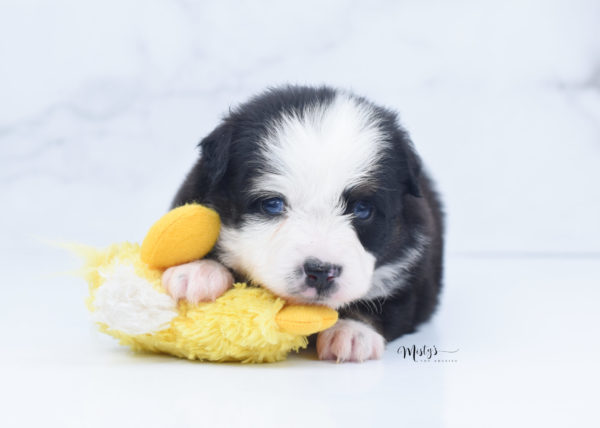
(323, 200)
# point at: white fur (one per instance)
(350, 340)
(128, 303)
(199, 281)
(390, 277)
(313, 158)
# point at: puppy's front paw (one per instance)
(199, 281)
(350, 340)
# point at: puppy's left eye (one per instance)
(272, 206)
(362, 209)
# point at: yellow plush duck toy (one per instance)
(247, 323)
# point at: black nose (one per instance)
(321, 275)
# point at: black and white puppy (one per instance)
(322, 200)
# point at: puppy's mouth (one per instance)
(309, 295)
(314, 282)
(300, 289)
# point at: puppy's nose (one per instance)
(320, 275)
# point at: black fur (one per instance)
(406, 204)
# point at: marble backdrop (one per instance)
(102, 104)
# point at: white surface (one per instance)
(103, 104)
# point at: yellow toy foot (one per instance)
(182, 235)
(305, 320)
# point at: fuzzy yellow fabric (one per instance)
(241, 325)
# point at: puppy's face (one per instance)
(309, 196)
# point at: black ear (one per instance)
(408, 163)
(413, 170)
(208, 172)
(214, 156)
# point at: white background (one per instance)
(102, 104)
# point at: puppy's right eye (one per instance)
(363, 210)
(272, 206)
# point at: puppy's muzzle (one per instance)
(321, 275)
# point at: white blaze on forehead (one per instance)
(317, 154)
(311, 158)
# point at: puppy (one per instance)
(323, 200)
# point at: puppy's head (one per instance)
(310, 185)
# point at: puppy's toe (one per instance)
(350, 340)
(199, 281)
(208, 280)
(175, 280)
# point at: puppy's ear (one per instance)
(214, 156)
(410, 164)
(209, 171)
(413, 170)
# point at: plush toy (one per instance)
(247, 323)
